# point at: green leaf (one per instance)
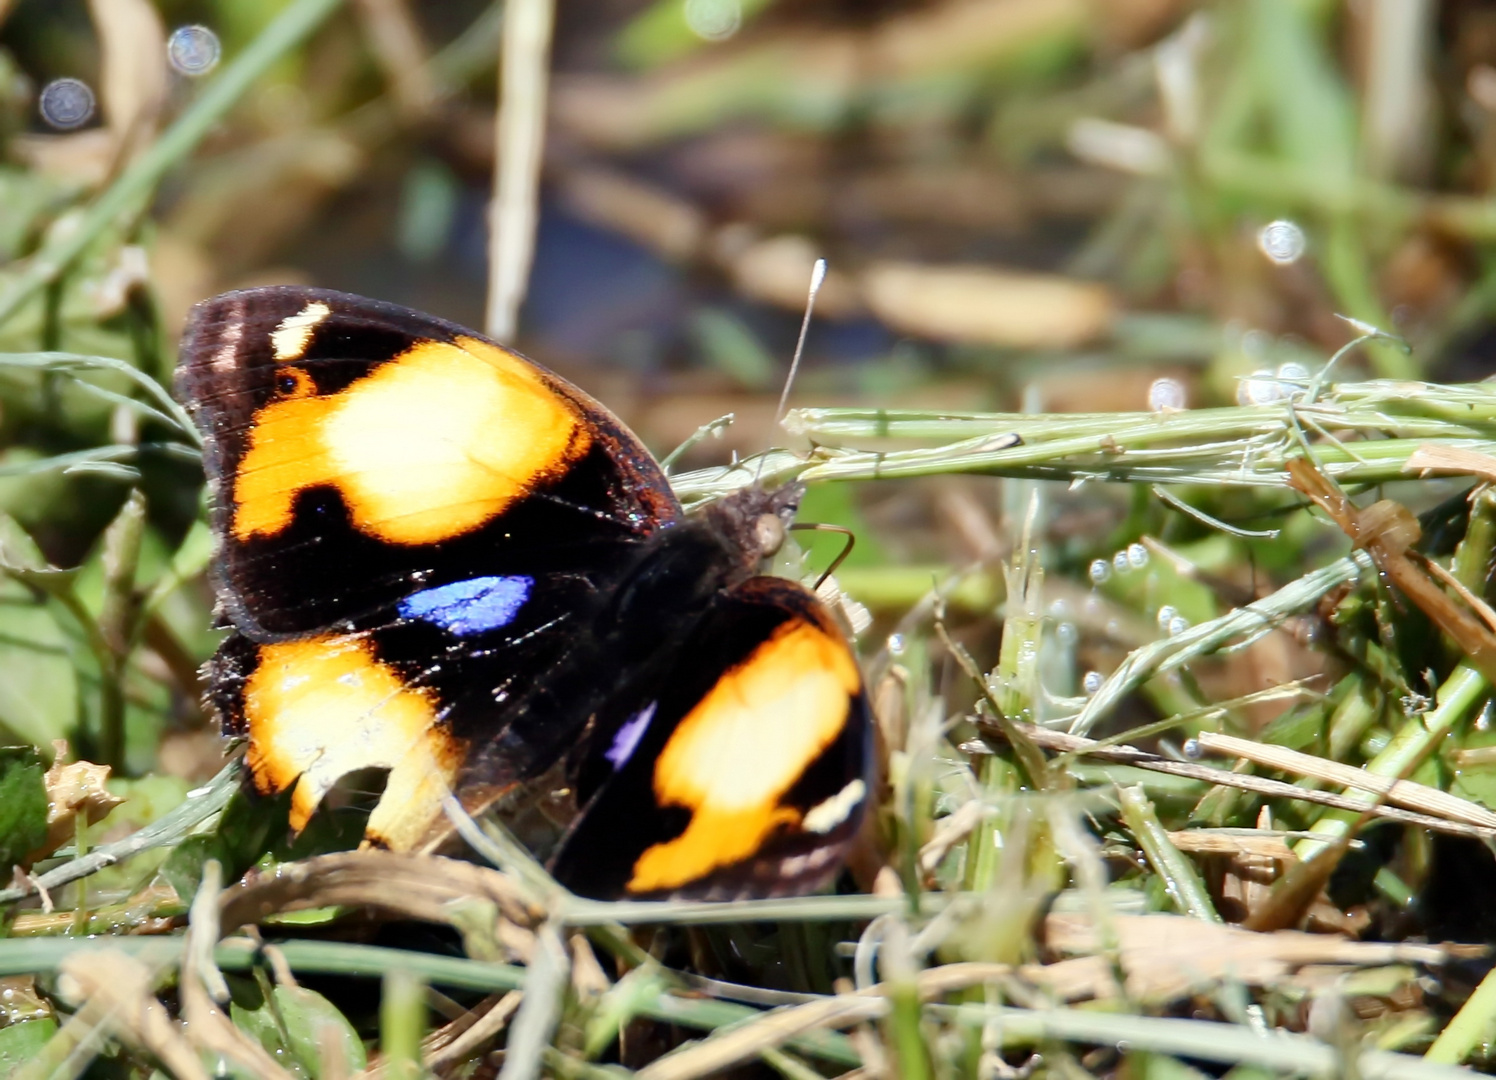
(183, 868)
(243, 834)
(1475, 774)
(317, 1031)
(20, 1043)
(300, 1028)
(23, 803)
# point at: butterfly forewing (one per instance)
(358, 451)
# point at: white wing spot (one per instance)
(829, 813)
(290, 338)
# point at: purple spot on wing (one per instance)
(474, 606)
(629, 735)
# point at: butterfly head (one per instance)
(754, 520)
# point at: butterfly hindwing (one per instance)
(743, 771)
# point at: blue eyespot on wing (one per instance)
(474, 606)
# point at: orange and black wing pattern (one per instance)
(412, 521)
(356, 449)
(742, 771)
(440, 560)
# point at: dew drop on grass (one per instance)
(1258, 388)
(1067, 633)
(896, 644)
(1166, 394)
(1119, 561)
(1091, 682)
(1166, 615)
(193, 50)
(1100, 571)
(1282, 241)
(1137, 556)
(1178, 625)
(66, 103)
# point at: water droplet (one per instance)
(1260, 388)
(1059, 608)
(1192, 749)
(1137, 556)
(1100, 571)
(1178, 625)
(896, 644)
(714, 20)
(1166, 394)
(1165, 613)
(1293, 372)
(1066, 633)
(1282, 241)
(193, 50)
(66, 103)
(1091, 681)
(1120, 563)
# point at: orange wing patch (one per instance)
(426, 447)
(742, 747)
(325, 706)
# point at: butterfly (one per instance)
(437, 558)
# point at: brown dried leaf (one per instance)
(84, 157)
(654, 217)
(72, 789)
(1386, 535)
(1454, 459)
(980, 305)
(134, 72)
(1166, 957)
(777, 271)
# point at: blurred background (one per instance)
(1041, 205)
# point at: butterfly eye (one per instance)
(768, 533)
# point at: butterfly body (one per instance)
(440, 559)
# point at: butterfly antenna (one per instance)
(817, 279)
